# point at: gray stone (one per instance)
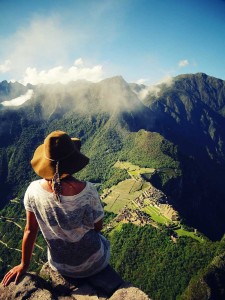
(65, 298)
(41, 294)
(61, 285)
(51, 286)
(130, 292)
(28, 284)
(85, 292)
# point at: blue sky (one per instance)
(144, 41)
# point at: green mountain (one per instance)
(190, 114)
(209, 283)
(167, 141)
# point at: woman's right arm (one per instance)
(29, 237)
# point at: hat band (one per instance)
(65, 157)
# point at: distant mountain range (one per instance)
(176, 128)
(189, 112)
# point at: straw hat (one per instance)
(58, 150)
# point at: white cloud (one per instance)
(42, 44)
(142, 81)
(42, 51)
(63, 75)
(19, 100)
(155, 88)
(167, 80)
(183, 63)
(6, 66)
(79, 62)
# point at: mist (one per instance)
(155, 89)
(112, 95)
(19, 100)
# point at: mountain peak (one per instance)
(197, 76)
(114, 80)
(10, 90)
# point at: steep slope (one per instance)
(112, 95)
(190, 113)
(210, 283)
(81, 108)
(180, 129)
(10, 90)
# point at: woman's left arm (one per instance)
(29, 237)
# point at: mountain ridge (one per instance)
(177, 129)
(182, 114)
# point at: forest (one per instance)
(178, 134)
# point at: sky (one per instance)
(144, 41)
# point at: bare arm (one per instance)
(29, 237)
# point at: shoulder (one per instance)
(33, 186)
(30, 194)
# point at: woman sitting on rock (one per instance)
(67, 211)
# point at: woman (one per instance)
(67, 211)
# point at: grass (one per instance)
(159, 218)
(123, 193)
(128, 190)
(182, 232)
(156, 215)
(133, 170)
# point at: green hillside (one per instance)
(209, 283)
(162, 268)
(12, 223)
(158, 165)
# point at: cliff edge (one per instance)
(50, 285)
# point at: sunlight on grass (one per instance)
(182, 232)
(156, 215)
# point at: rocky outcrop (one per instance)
(50, 285)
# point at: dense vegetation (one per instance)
(179, 133)
(210, 282)
(12, 222)
(162, 268)
(144, 255)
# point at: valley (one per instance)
(157, 161)
(137, 201)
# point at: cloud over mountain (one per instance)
(38, 53)
(63, 75)
(155, 89)
(19, 100)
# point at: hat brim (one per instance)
(46, 168)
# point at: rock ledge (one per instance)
(50, 285)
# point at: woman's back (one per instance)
(75, 248)
(68, 212)
(69, 186)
